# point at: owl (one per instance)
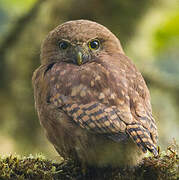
(91, 100)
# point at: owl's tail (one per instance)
(142, 138)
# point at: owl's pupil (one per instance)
(63, 45)
(94, 44)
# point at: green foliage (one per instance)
(18, 6)
(164, 167)
(168, 33)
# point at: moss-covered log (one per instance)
(164, 167)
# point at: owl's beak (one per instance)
(79, 58)
(82, 55)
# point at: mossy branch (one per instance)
(164, 167)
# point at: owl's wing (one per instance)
(109, 121)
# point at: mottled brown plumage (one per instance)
(91, 100)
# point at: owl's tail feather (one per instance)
(142, 138)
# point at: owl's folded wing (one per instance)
(108, 121)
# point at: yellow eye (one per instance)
(94, 44)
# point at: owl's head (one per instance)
(78, 42)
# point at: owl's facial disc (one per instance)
(78, 52)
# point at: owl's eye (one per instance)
(63, 45)
(94, 44)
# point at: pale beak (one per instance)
(82, 55)
(79, 58)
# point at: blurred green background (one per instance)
(149, 33)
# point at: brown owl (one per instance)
(91, 100)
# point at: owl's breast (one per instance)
(86, 83)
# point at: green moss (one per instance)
(16, 167)
(164, 167)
